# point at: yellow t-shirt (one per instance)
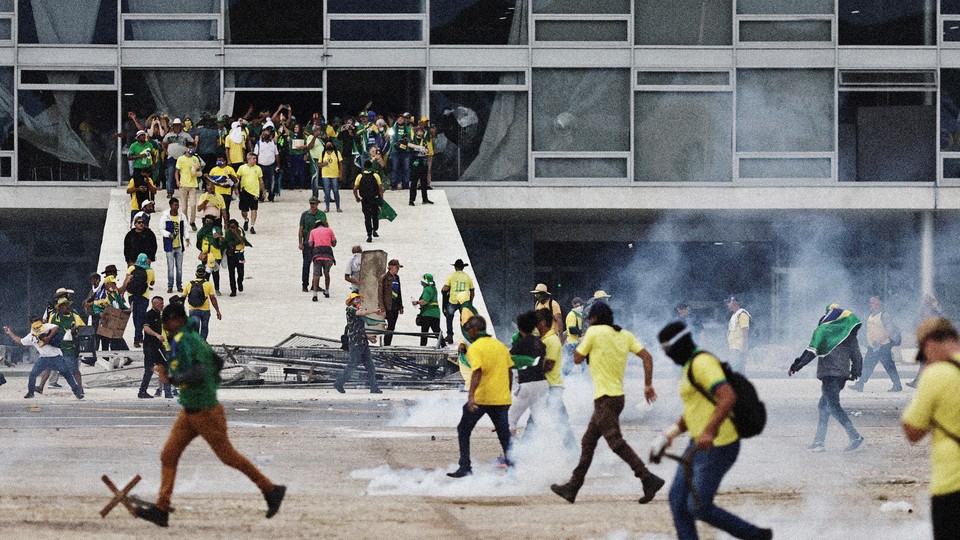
(574, 320)
(937, 401)
(236, 151)
(215, 204)
(554, 308)
(134, 203)
(226, 170)
(552, 342)
(458, 282)
(739, 320)
(150, 279)
(876, 330)
(493, 360)
(213, 252)
(188, 166)
(608, 350)
(330, 164)
(207, 293)
(250, 178)
(697, 409)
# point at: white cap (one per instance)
(176, 121)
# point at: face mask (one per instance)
(220, 163)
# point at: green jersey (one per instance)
(187, 349)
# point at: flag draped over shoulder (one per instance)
(834, 327)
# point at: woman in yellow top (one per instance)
(714, 444)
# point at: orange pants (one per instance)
(211, 424)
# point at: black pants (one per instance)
(449, 312)
(371, 218)
(945, 513)
(391, 325)
(151, 357)
(418, 176)
(235, 263)
(428, 324)
(307, 259)
(497, 414)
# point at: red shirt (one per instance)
(322, 236)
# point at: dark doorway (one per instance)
(391, 92)
(304, 103)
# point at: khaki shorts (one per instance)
(321, 266)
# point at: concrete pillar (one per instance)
(926, 253)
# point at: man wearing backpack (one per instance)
(198, 296)
(834, 342)
(138, 283)
(714, 442)
(543, 300)
(738, 334)
(368, 190)
(195, 369)
(882, 337)
(139, 239)
(934, 409)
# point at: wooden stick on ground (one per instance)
(119, 496)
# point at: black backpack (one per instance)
(196, 297)
(368, 189)
(749, 414)
(138, 283)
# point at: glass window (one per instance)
(784, 7)
(683, 78)
(84, 23)
(786, 31)
(785, 168)
(6, 29)
(375, 6)
(887, 136)
(273, 78)
(580, 167)
(589, 7)
(376, 30)
(581, 110)
(390, 92)
(950, 110)
(255, 22)
(581, 31)
(31, 76)
(479, 77)
(170, 6)
(6, 6)
(950, 7)
(887, 22)
(6, 109)
(683, 136)
(683, 22)
(183, 30)
(951, 168)
(67, 135)
(951, 31)
(481, 136)
(785, 110)
(478, 22)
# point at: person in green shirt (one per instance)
(308, 220)
(429, 318)
(141, 153)
(195, 369)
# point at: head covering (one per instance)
(314, 200)
(36, 327)
(63, 301)
(141, 132)
(109, 279)
(394, 262)
(201, 271)
(176, 121)
(540, 288)
(677, 342)
(236, 133)
(933, 327)
(62, 290)
(427, 279)
(142, 261)
(832, 329)
(110, 269)
(460, 264)
(140, 216)
(601, 294)
(351, 296)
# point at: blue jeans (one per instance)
(400, 169)
(175, 266)
(202, 316)
(268, 181)
(498, 415)
(708, 469)
(296, 169)
(331, 184)
(829, 405)
(138, 305)
(52, 363)
(171, 176)
(359, 355)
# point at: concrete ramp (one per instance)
(272, 306)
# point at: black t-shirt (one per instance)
(152, 320)
(530, 346)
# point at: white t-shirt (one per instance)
(266, 152)
(355, 269)
(46, 351)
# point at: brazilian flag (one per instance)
(834, 327)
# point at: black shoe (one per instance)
(79, 395)
(460, 473)
(376, 391)
(314, 297)
(144, 395)
(152, 514)
(246, 225)
(240, 287)
(233, 293)
(339, 388)
(169, 290)
(38, 390)
(765, 534)
(568, 491)
(53, 385)
(651, 485)
(158, 392)
(274, 498)
(326, 293)
(375, 235)
(412, 203)
(136, 345)
(175, 392)
(427, 202)
(369, 239)
(193, 227)
(854, 445)
(28, 396)
(253, 230)
(3, 380)
(305, 289)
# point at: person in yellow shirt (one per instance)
(556, 409)
(738, 334)
(574, 327)
(714, 443)
(331, 163)
(489, 392)
(198, 304)
(251, 191)
(141, 189)
(138, 283)
(226, 181)
(211, 203)
(457, 282)
(545, 301)
(235, 143)
(607, 345)
(934, 409)
(189, 168)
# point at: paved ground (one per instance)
(365, 466)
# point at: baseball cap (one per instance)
(63, 301)
(601, 294)
(314, 200)
(141, 132)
